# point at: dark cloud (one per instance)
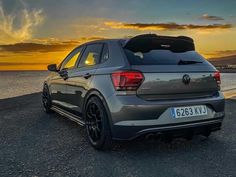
(165, 26)
(211, 17)
(21, 64)
(155, 25)
(33, 47)
(45, 46)
(213, 26)
(174, 26)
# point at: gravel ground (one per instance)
(33, 143)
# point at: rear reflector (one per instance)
(127, 80)
(217, 78)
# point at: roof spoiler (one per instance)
(147, 42)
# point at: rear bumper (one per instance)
(180, 129)
(131, 116)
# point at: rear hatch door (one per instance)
(170, 71)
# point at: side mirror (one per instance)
(52, 67)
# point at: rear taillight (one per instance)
(127, 80)
(217, 78)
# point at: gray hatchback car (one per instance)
(120, 89)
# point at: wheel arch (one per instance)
(95, 92)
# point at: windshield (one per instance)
(162, 57)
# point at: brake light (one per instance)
(217, 78)
(127, 80)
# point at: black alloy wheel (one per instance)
(97, 125)
(94, 123)
(46, 99)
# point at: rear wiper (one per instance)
(188, 62)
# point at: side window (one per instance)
(91, 55)
(71, 59)
(105, 53)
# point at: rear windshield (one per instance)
(162, 57)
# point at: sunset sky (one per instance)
(35, 33)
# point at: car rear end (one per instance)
(168, 89)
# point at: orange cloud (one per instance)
(164, 26)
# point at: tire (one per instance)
(97, 124)
(46, 100)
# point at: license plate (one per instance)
(189, 111)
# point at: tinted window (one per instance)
(161, 57)
(91, 55)
(70, 60)
(105, 53)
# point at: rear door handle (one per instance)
(87, 75)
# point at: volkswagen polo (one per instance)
(120, 89)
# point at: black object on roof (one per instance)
(147, 42)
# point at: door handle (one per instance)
(87, 75)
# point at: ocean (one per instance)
(17, 83)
